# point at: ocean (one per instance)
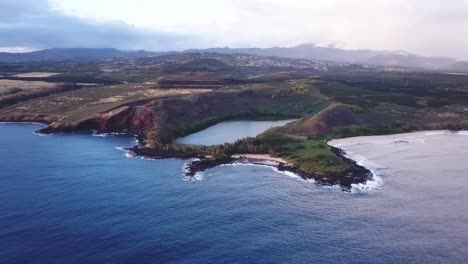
(77, 198)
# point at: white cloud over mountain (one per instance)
(428, 27)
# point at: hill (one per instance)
(371, 57)
(73, 54)
(392, 59)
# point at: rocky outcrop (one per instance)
(355, 174)
(142, 120)
(122, 119)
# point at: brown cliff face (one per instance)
(123, 119)
(173, 115)
(142, 120)
(118, 119)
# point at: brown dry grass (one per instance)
(36, 74)
(88, 101)
(24, 85)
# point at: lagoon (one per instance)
(229, 132)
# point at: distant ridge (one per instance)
(304, 51)
(372, 57)
(67, 54)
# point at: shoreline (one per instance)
(25, 122)
(357, 174)
(260, 157)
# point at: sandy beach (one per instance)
(260, 157)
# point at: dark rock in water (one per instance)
(401, 141)
(354, 175)
(159, 154)
(205, 164)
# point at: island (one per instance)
(162, 98)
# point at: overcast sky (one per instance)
(427, 27)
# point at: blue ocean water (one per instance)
(77, 199)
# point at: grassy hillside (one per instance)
(154, 96)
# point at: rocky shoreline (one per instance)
(357, 174)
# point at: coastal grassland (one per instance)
(91, 101)
(387, 129)
(13, 91)
(350, 106)
(6, 85)
(387, 103)
(127, 97)
(36, 74)
(311, 155)
(414, 91)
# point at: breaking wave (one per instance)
(96, 134)
(377, 181)
(437, 133)
(200, 176)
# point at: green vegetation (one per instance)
(300, 89)
(310, 155)
(388, 129)
(313, 156)
(127, 96)
(357, 108)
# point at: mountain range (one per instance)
(304, 51)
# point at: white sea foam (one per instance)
(377, 171)
(370, 185)
(199, 176)
(96, 134)
(293, 175)
(272, 167)
(99, 135)
(332, 187)
(437, 133)
(130, 156)
(40, 134)
(409, 140)
(376, 183)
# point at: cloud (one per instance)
(33, 23)
(427, 27)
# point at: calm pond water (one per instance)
(229, 132)
(78, 199)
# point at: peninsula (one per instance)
(160, 98)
